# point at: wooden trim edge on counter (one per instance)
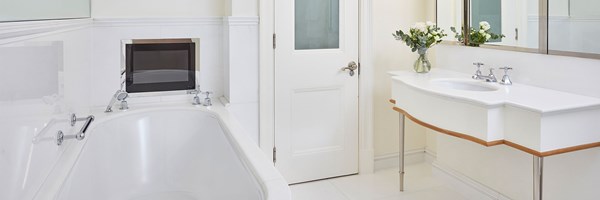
(495, 142)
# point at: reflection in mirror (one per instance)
(517, 20)
(449, 14)
(573, 26)
(27, 10)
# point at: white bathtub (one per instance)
(182, 152)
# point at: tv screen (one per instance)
(155, 67)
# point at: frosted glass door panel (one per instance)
(27, 10)
(317, 24)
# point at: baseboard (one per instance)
(466, 186)
(391, 160)
(430, 156)
(366, 161)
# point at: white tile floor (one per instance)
(382, 185)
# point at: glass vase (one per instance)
(422, 65)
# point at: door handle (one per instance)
(351, 66)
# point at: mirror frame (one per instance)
(543, 47)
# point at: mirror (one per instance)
(516, 20)
(555, 27)
(28, 10)
(449, 14)
(573, 25)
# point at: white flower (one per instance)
(485, 25)
(429, 23)
(482, 32)
(487, 36)
(434, 32)
(421, 27)
(437, 38)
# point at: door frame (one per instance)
(365, 83)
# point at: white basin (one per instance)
(459, 84)
(546, 122)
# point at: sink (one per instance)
(461, 84)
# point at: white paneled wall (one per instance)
(228, 59)
(240, 44)
(45, 68)
(106, 57)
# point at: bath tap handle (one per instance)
(88, 120)
(84, 128)
(207, 100)
(60, 137)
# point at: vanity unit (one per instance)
(538, 121)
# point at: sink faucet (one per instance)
(478, 75)
(478, 72)
(506, 79)
(120, 96)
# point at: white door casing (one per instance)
(316, 103)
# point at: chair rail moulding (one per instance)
(18, 31)
(180, 21)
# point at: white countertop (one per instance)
(541, 100)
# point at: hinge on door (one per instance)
(274, 41)
(359, 68)
(274, 155)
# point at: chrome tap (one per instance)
(506, 79)
(120, 96)
(478, 72)
(196, 99)
(489, 78)
(60, 136)
(207, 100)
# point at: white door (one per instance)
(316, 102)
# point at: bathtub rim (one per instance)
(271, 183)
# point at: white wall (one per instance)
(45, 68)
(173, 8)
(157, 8)
(389, 16)
(567, 176)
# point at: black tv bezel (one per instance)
(131, 87)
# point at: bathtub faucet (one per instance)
(120, 96)
(196, 99)
(60, 137)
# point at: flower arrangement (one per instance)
(480, 36)
(420, 37)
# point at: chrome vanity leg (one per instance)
(401, 152)
(538, 174)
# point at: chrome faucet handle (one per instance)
(491, 77)
(506, 79)
(478, 72)
(196, 100)
(207, 100)
(124, 105)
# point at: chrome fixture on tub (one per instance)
(478, 76)
(207, 100)
(60, 137)
(120, 96)
(196, 99)
(506, 79)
